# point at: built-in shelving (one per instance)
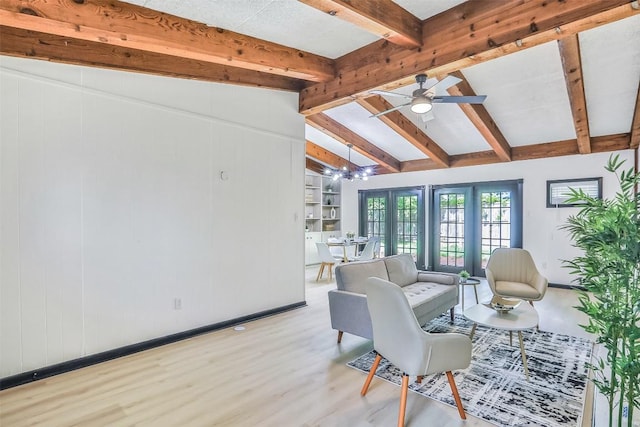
(322, 213)
(322, 203)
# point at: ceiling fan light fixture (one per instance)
(421, 105)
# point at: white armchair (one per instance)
(511, 272)
(398, 337)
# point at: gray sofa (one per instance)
(429, 293)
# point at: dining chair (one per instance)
(376, 246)
(326, 259)
(398, 337)
(367, 252)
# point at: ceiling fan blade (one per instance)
(385, 93)
(390, 110)
(479, 99)
(445, 83)
(428, 116)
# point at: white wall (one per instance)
(112, 205)
(541, 234)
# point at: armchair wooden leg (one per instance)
(330, 272)
(419, 379)
(372, 372)
(451, 314)
(340, 336)
(456, 396)
(403, 399)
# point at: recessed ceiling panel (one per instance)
(426, 9)
(325, 141)
(287, 22)
(452, 130)
(356, 118)
(526, 95)
(611, 70)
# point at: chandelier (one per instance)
(349, 172)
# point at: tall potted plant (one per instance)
(608, 232)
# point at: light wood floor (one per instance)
(286, 370)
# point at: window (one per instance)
(559, 191)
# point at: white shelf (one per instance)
(316, 198)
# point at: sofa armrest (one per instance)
(349, 313)
(438, 277)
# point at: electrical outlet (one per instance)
(177, 304)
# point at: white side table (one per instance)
(469, 282)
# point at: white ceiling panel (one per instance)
(611, 70)
(336, 147)
(425, 9)
(287, 22)
(526, 95)
(451, 130)
(356, 118)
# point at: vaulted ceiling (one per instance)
(561, 76)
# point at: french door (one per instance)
(469, 221)
(397, 218)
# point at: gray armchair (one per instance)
(398, 337)
(511, 272)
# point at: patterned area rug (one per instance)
(494, 386)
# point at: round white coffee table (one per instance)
(520, 318)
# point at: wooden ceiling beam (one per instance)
(324, 155)
(481, 119)
(314, 166)
(606, 143)
(465, 35)
(339, 132)
(383, 18)
(572, 66)
(29, 44)
(635, 124)
(405, 128)
(130, 26)
(600, 144)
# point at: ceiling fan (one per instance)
(422, 99)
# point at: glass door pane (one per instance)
(406, 221)
(376, 218)
(451, 229)
(495, 222)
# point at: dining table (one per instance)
(346, 244)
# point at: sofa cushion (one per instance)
(425, 297)
(352, 276)
(446, 279)
(402, 269)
